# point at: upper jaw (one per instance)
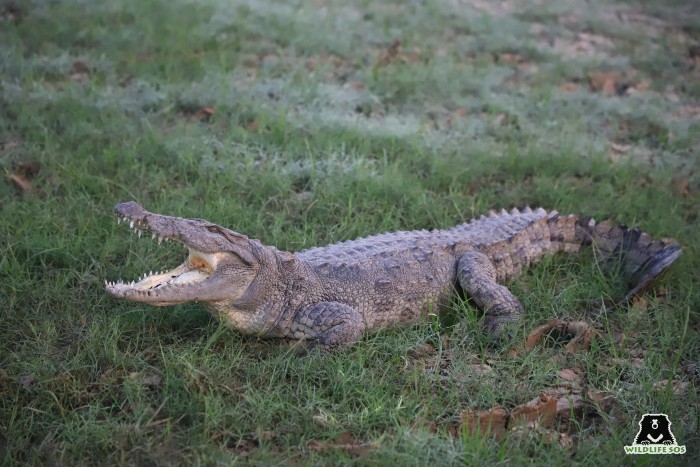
(138, 219)
(181, 284)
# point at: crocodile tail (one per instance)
(639, 258)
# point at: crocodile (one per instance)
(331, 296)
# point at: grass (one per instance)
(320, 131)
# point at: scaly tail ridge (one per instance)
(641, 259)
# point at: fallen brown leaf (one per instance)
(569, 375)
(565, 441)
(694, 55)
(604, 81)
(538, 413)
(151, 380)
(679, 387)
(23, 175)
(10, 12)
(568, 404)
(24, 185)
(389, 54)
(242, 446)
(344, 442)
(619, 148)
(602, 399)
(482, 369)
(682, 186)
(422, 350)
(26, 380)
(80, 71)
(427, 424)
(324, 420)
(582, 335)
(203, 115)
(641, 86)
(569, 87)
(261, 436)
(510, 58)
(492, 421)
(541, 410)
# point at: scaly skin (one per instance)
(333, 295)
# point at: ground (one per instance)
(306, 122)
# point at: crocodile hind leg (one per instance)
(477, 277)
(328, 324)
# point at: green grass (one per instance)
(315, 139)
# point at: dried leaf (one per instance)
(582, 336)
(482, 369)
(485, 421)
(541, 410)
(679, 387)
(24, 185)
(389, 54)
(569, 87)
(604, 81)
(641, 86)
(262, 436)
(324, 420)
(80, 67)
(565, 441)
(569, 375)
(510, 58)
(691, 368)
(344, 442)
(619, 148)
(568, 404)
(203, 115)
(422, 351)
(80, 71)
(26, 380)
(639, 305)
(344, 438)
(242, 447)
(151, 380)
(602, 399)
(682, 186)
(423, 423)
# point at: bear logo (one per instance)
(655, 428)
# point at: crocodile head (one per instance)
(221, 264)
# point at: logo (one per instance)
(655, 436)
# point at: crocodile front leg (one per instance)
(328, 324)
(477, 277)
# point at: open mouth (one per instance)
(197, 268)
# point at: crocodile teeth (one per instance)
(160, 239)
(131, 224)
(139, 234)
(153, 236)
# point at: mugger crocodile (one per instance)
(331, 296)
